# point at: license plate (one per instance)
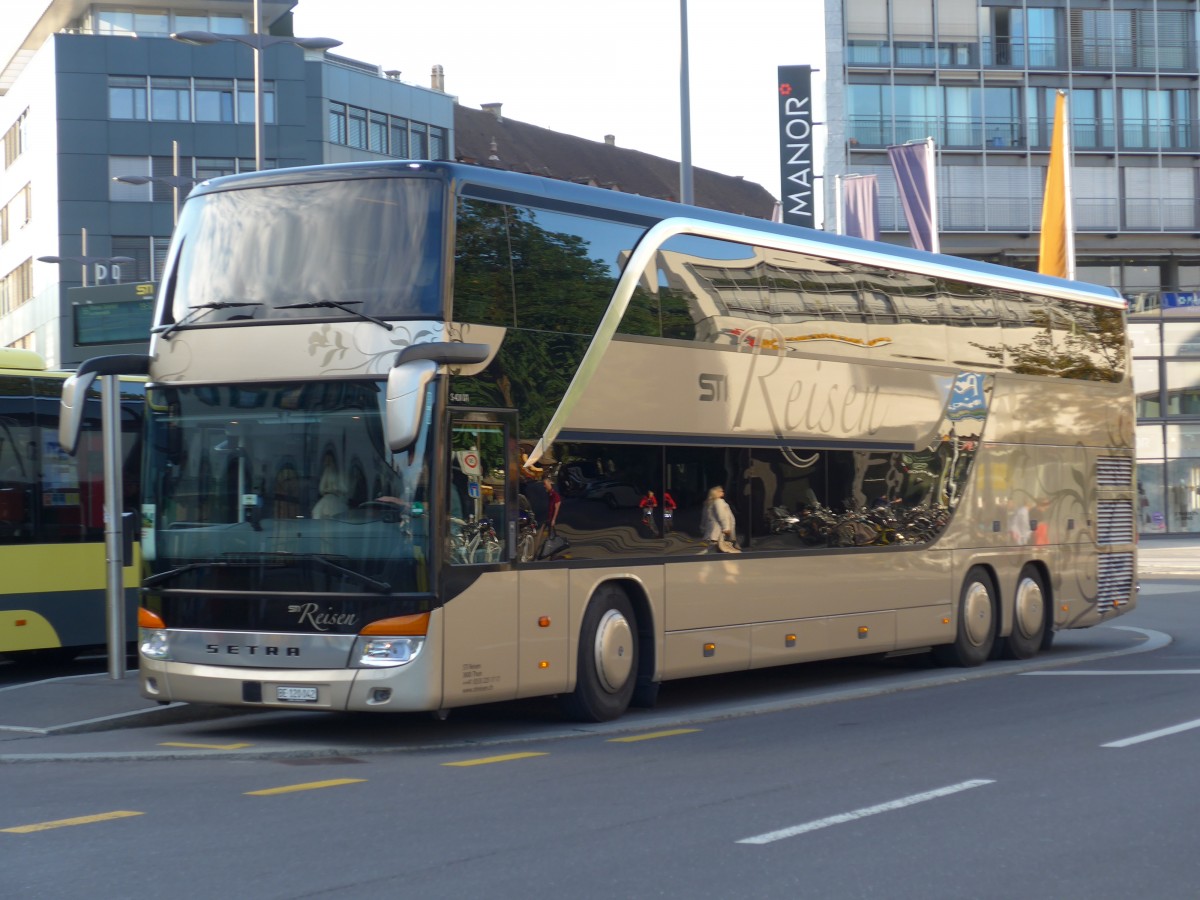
(296, 694)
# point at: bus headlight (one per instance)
(154, 643)
(379, 652)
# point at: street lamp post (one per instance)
(84, 260)
(257, 42)
(175, 181)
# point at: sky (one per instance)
(596, 68)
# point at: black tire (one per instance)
(1030, 604)
(606, 671)
(976, 623)
(610, 500)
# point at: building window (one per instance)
(357, 128)
(1154, 120)
(15, 139)
(400, 138)
(246, 102)
(214, 99)
(16, 288)
(214, 167)
(418, 141)
(126, 97)
(149, 255)
(25, 342)
(337, 123)
(437, 143)
(170, 99)
(377, 133)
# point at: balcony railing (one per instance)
(951, 131)
(1175, 55)
(1019, 53)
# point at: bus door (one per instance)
(480, 585)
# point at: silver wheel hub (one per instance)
(977, 614)
(1029, 609)
(613, 650)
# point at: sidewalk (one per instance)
(72, 704)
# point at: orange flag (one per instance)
(1056, 255)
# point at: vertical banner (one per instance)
(860, 205)
(1056, 250)
(915, 177)
(796, 145)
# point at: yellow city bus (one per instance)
(422, 435)
(52, 593)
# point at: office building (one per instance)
(91, 93)
(980, 78)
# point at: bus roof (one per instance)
(647, 210)
(12, 358)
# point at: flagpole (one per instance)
(839, 197)
(935, 237)
(1068, 205)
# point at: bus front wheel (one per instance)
(1029, 617)
(976, 631)
(606, 670)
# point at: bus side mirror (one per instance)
(70, 417)
(405, 406)
(75, 388)
(414, 368)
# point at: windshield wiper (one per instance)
(202, 308)
(179, 570)
(343, 305)
(243, 560)
(380, 587)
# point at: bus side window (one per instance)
(477, 513)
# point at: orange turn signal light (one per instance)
(544, 622)
(147, 619)
(417, 625)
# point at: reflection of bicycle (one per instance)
(473, 542)
(526, 536)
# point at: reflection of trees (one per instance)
(510, 271)
(1091, 346)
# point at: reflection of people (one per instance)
(333, 491)
(668, 501)
(649, 501)
(716, 522)
(553, 501)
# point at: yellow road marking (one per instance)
(308, 786)
(78, 820)
(649, 736)
(205, 746)
(483, 761)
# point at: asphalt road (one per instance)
(842, 781)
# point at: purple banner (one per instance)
(860, 205)
(913, 165)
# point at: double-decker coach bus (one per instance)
(52, 554)
(421, 435)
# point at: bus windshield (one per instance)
(282, 487)
(324, 249)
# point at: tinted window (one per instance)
(538, 269)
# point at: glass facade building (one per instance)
(980, 77)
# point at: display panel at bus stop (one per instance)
(113, 314)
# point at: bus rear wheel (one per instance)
(1029, 616)
(976, 632)
(606, 671)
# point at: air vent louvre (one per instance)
(1114, 471)
(1114, 581)
(1114, 522)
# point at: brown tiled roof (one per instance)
(481, 135)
